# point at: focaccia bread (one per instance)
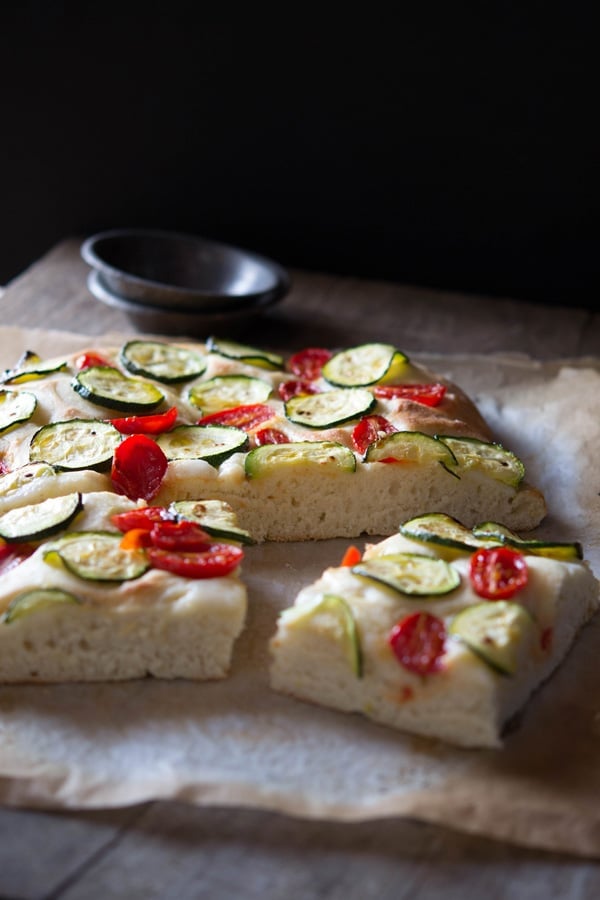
(317, 446)
(437, 630)
(89, 592)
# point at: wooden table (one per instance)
(170, 850)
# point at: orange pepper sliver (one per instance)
(134, 539)
(351, 556)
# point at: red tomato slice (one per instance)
(218, 560)
(369, 429)
(184, 537)
(427, 394)
(418, 641)
(145, 517)
(245, 417)
(270, 436)
(12, 555)
(498, 573)
(295, 388)
(309, 362)
(139, 466)
(155, 424)
(91, 359)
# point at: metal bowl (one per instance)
(173, 321)
(182, 272)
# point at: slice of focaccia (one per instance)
(96, 587)
(437, 630)
(317, 445)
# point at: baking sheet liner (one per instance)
(238, 743)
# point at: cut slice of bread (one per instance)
(339, 654)
(157, 624)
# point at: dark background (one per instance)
(447, 146)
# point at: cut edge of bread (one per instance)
(305, 502)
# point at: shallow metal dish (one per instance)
(181, 271)
(182, 322)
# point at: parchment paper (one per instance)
(238, 743)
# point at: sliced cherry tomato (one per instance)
(245, 417)
(91, 359)
(155, 424)
(296, 388)
(369, 429)
(309, 362)
(418, 641)
(218, 560)
(427, 394)
(270, 436)
(12, 555)
(145, 517)
(351, 557)
(184, 536)
(498, 573)
(139, 466)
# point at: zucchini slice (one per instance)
(40, 520)
(97, 556)
(12, 481)
(330, 408)
(410, 574)
(331, 613)
(489, 457)
(561, 550)
(441, 530)
(16, 407)
(252, 356)
(328, 455)
(106, 386)
(225, 391)
(216, 517)
(494, 632)
(75, 444)
(213, 443)
(36, 599)
(30, 368)
(163, 362)
(495, 529)
(364, 365)
(412, 447)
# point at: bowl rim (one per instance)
(89, 253)
(144, 311)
